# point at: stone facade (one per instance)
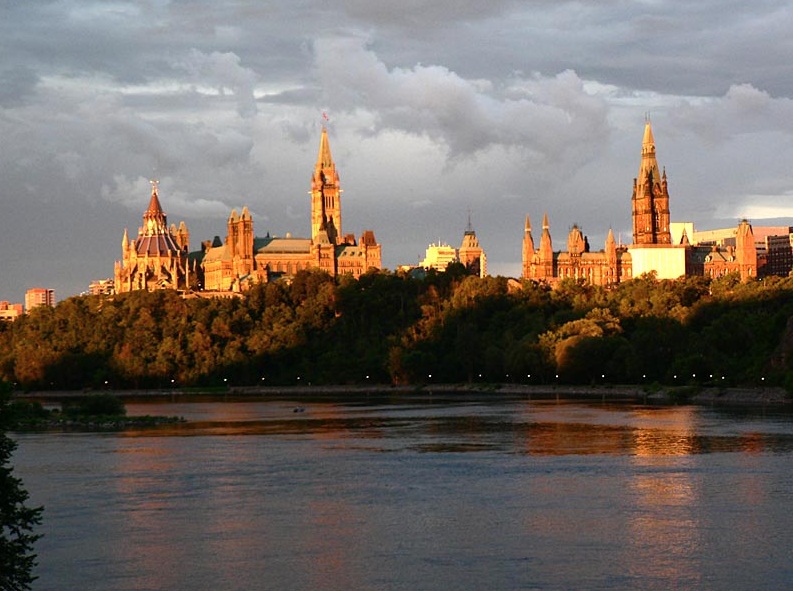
(650, 200)
(740, 258)
(652, 251)
(471, 254)
(605, 267)
(157, 258)
(244, 258)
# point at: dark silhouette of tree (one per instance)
(17, 521)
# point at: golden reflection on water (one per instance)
(666, 494)
(675, 438)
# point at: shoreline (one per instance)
(705, 396)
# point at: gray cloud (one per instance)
(543, 116)
(505, 108)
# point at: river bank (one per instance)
(771, 396)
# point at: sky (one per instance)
(437, 111)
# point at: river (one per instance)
(421, 493)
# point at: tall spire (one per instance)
(528, 249)
(325, 192)
(546, 245)
(648, 143)
(324, 158)
(649, 163)
(650, 201)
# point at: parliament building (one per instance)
(159, 257)
(654, 249)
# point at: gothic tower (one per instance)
(546, 251)
(650, 201)
(528, 249)
(745, 251)
(233, 238)
(325, 194)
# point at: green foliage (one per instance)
(17, 520)
(385, 327)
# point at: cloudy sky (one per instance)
(437, 109)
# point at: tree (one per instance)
(17, 521)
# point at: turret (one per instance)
(546, 245)
(528, 240)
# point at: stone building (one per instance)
(716, 260)
(606, 267)
(471, 254)
(244, 258)
(157, 258)
(652, 250)
(439, 255)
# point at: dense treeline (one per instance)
(386, 328)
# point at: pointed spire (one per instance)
(154, 203)
(324, 158)
(325, 191)
(648, 143)
(154, 220)
(528, 250)
(125, 241)
(610, 237)
(546, 244)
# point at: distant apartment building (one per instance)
(470, 254)
(102, 287)
(779, 255)
(439, 256)
(10, 312)
(39, 296)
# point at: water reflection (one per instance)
(417, 494)
(531, 427)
